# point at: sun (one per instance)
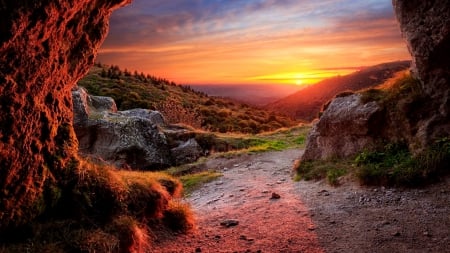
(298, 82)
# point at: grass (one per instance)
(102, 209)
(331, 170)
(394, 165)
(195, 180)
(180, 104)
(282, 139)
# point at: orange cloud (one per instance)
(262, 43)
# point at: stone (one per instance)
(275, 196)
(229, 223)
(45, 48)
(187, 152)
(130, 139)
(344, 129)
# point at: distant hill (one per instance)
(179, 104)
(258, 95)
(306, 103)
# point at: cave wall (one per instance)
(45, 47)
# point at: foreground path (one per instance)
(275, 214)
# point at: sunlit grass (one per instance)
(193, 181)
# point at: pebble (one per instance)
(198, 250)
(275, 195)
(229, 223)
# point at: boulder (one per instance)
(187, 152)
(344, 129)
(419, 117)
(130, 138)
(135, 139)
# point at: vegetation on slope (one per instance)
(306, 103)
(393, 163)
(179, 104)
(102, 209)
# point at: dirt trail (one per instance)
(308, 216)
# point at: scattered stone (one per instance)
(265, 191)
(217, 237)
(219, 183)
(426, 233)
(311, 228)
(229, 223)
(275, 195)
(243, 237)
(198, 250)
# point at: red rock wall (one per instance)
(45, 47)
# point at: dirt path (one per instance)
(308, 216)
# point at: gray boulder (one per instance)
(134, 138)
(344, 129)
(187, 152)
(125, 138)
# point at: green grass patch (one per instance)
(332, 170)
(395, 165)
(193, 181)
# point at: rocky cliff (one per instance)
(417, 113)
(45, 47)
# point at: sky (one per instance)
(252, 41)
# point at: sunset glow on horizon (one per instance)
(296, 42)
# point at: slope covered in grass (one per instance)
(179, 104)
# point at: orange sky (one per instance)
(253, 41)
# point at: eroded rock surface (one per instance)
(133, 139)
(345, 127)
(426, 29)
(45, 47)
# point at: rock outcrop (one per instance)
(419, 116)
(133, 139)
(45, 47)
(426, 29)
(344, 129)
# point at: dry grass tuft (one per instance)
(178, 216)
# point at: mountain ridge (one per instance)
(307, 103)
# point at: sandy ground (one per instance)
(308, 216)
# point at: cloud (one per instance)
(195, 40)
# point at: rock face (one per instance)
(133, 139)
(347, 126)
(344, 129)
(45, 47)
(426, 29)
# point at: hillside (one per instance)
(179, 104)
(252, 94)
(306, 103)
